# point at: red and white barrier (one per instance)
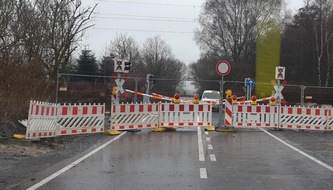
(134, 116)
(306, 118)
(42, 120)
(139, 116)
(279, 117)
(49, 120)
(258, 116)
(180, 115)
(80, 119)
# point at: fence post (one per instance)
(57, 87)
(136, 90)
(302, 94)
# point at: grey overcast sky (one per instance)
(173, 20)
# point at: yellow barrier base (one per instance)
(18, 136)
(225, 129)
(210, 128)
(158, 129)
(112, 132)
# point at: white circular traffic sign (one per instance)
(223, 68)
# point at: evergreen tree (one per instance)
(87, 64)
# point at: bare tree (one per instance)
(159, 60)
(37, 39)
(329, 47)
(320, 31)
(229, 28)
(63, 24)
(323, 36)
(125, 47)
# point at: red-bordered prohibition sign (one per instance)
(223, 67)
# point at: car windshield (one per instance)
(211, 95)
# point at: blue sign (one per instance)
(250, 83)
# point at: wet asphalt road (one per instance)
(192, 159)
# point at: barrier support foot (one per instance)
(210, 128)
(225, 129)
(112, 132)
(158, 129)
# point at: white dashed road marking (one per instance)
(203, 173)
(212, 157)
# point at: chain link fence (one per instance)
(98, 89)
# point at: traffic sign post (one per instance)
(222, 68)
(249, 83)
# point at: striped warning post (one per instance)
(80, 119)
(228, 114)
(41, 121)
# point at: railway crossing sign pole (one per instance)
(222, 68)
(279, 76)
(120, 66)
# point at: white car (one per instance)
(211, 96)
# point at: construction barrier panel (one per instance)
(50, 120)
(185, 114)
(305, 118)
(80, 119)
(42, 120)
(259, 116)
(139, 116)
(134, 116)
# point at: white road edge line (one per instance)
(203, 173)
(200, 146)
(299, 151)
(63, 170)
